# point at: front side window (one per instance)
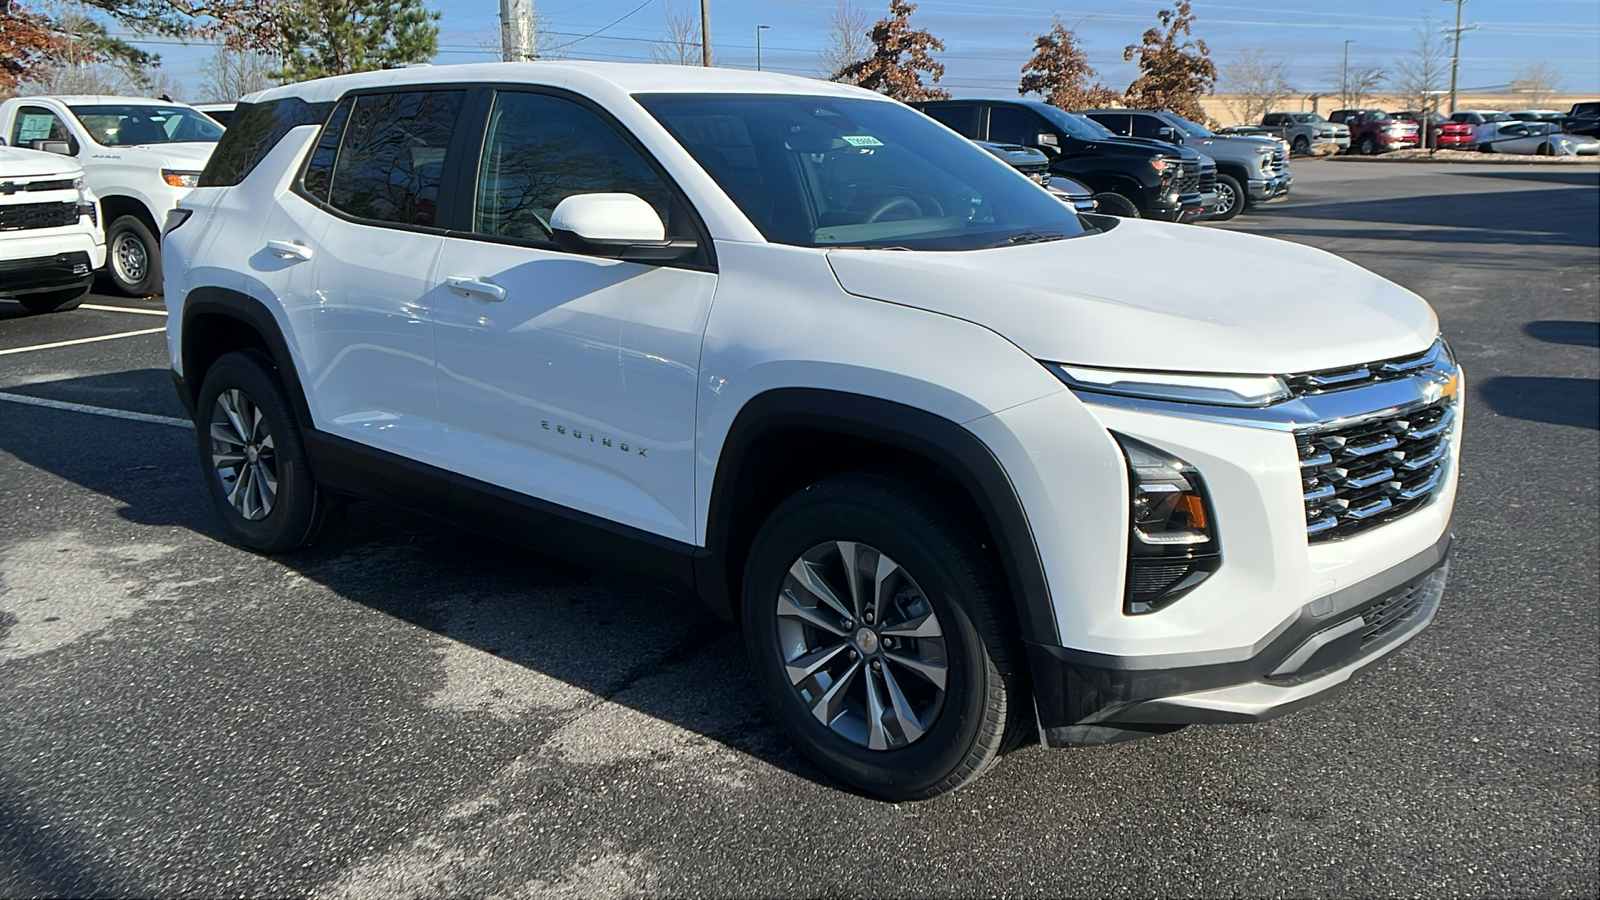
(126, 125)
(956, 118)
(847, 172)
(1008, 125)
(35, 124)
(540, 150)
(391, 159)
(1148, 126)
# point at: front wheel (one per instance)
(880, 639)
(1230, 198)
(133, 257)
(1302, 146)
(1111, 203)
(1368, 146)
(253, 458)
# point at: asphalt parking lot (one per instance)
(411, 710)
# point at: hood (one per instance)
(1151, 295)
(184, 155)
(1153, 144)
(16, 162)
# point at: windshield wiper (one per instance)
(1028, 237)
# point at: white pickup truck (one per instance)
(50, 241)
(139, 156)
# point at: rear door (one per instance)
(566, 377)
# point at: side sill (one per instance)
(348, 467)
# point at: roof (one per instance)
(584, 76)
(103, 99)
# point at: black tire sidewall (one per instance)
(151, 283)
(1228, 182)
(299, 507)
(1301, 146)
(1127, 209)
(919, 768)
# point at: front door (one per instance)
(566, 377)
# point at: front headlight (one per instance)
(1262, 151)
(180, 179)
(1172, 536)
(1217, 390)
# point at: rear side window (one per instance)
(959, 119)
(391, 159)
(256, 129)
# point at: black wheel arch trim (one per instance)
(242, 307)
(941, 441)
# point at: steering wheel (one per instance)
(894, 203)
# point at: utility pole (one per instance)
(516, 31)
(759, 29)
(1455, 52)
(705, 32)
(1344, 77)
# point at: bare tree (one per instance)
(1420, 78)
(1359, 84)
(682, 44)
(1258, 85)
(230, 74)
(849, 40)
(88, 60)
(1538, 81)
(1060, 72)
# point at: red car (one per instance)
(1374, 131)
(1442, 134)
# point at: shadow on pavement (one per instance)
(1578, 334)
(1557, 401)
(1532, 217)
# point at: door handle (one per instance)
(473, 287)
(290, 250)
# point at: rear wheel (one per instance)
(1368, 146)
(253, 456)
(1545, 150)
(55, 301)
(1230, 198)
(879, 639)
(133, 257)
(1112, 203)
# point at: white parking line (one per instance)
(126, 309)
(87, 340)
(96, 410)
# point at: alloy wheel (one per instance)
(243, 455)
(1226, 198)
(862, 646)
(130, 257)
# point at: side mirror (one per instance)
(615, 226)
(1170, 135)
(1047, 142)
(58, 147)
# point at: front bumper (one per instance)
(59, 271)
(1269, 188)
(1091, 698)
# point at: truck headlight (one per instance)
(1172, 535)
(179, 179)
(1217, 390)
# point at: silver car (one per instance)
(1536, 138)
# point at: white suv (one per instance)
(966, 466)
(138, 155)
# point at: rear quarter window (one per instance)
(256, 129)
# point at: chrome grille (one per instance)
(1369, 373)
(1188, 180)
(1358, 476)
(1280, 161)
(21, 216)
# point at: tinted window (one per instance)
(1008, 125)
(540, 150)
(1148, 126)
(125, 125)
(957, 118)
(392, 157)
(256, 130)
(319, 168)
(1276, 119)
(830, 171)
(1116, 123)
(35, 124)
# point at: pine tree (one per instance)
(1173, 75)
(334, 37)
(1060, 72)
(900, 54)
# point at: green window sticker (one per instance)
(862, 140)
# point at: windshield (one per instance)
(126, 125)
(1100, 131)
(1309, 117)
(843, 172)
(1193, 129)
(1073, 125)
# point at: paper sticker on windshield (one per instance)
(862, 140)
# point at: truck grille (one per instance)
(1188, 180)
(1380, 469)
(1360, 376)
(20, 216)
(1280, 161)
(1387, 615)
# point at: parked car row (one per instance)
(1370, 131)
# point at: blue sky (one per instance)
(988, 42)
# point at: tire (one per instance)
(133, 257)
(1544, 150)
(296, 509)
(1301, 146)
(1232, 197)
(55, 301)
(1114, 204)
(1368, 146)
(929, 741)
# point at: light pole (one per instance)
(759, 29)
(1344, 77)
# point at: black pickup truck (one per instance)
(1128, 177)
